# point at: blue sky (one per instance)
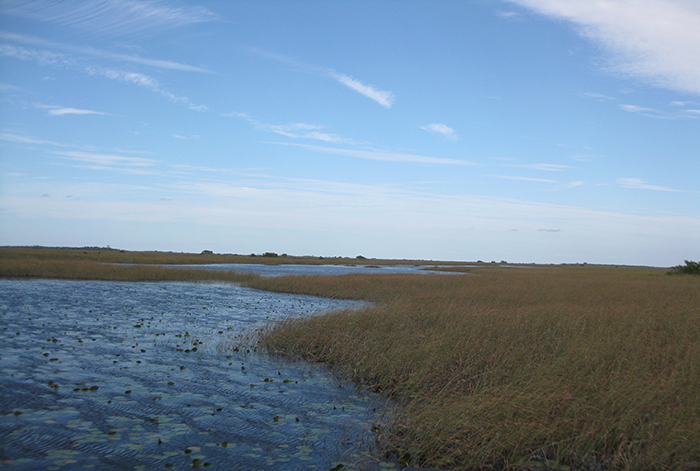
(530, 130)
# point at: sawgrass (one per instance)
(579, 367)
(68, 264)
(108, 255)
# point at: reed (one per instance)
(576, 367)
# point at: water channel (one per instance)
(113, 375)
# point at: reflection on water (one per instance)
(115, 375)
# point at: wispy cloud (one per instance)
(382, 155)
(567, 186)
(108, 159)
(509, 15)
(635, 109)
(572, 185)
(6, 87)
(65, 111)
(111, 163)
(18, 138)
(439, 128)
(293, 130)
(384, 98)
(640, 184)
(50, 57)
(657, 41)
(660, 114)
(597, 96)
(145, 81)
(525, 179)
(110, 17)
(41, 57)
(136, 78)
(545, 167)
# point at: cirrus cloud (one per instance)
(439, 128)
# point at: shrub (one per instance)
(690, 268)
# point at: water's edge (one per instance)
(115, 374)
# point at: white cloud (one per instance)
(65, 111)
(545, 167)
(107, 159)
(659, 114)
(597, 96)
(439, 128)
(383, 155)
(508, 15)
(572, 185)
(29, 140)
(567, 186)
(654, 40)
(386, 99)
(635, 109)
(525, 179)
(41, 57)
(46, 57)
(145, 81)
(582, 157)
(293, 130)
(109, 17)
(6, 87)
(640, 184)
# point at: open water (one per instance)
(112, 375)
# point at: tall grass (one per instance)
(108, 255)
(583, 367)
(91, 270)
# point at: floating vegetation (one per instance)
(96, 375)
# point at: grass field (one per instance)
(564, 367)
(578, 367)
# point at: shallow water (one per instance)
(284, 269)
(111, 375)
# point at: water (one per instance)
(111, 375)
(281, 270)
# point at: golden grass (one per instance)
(107, 255)
(76, 269)
(569, 366)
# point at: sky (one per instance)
(548, 131)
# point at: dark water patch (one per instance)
(116, 375)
